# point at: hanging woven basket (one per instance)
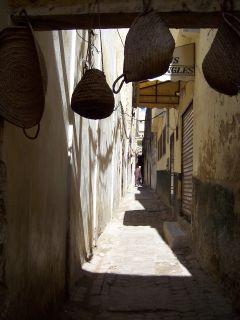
(221, 65)
(21, 85)
(148, 49)
(92, 98)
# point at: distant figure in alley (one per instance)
(138, 176)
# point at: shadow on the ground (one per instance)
(111, 296)
(181, 291)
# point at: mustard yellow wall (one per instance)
(175, 116)
(216, 126)
(216, 176)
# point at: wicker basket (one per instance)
(92, 98)
(148, 49)
(221, 66)
(21, 85)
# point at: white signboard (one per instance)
(182, 66)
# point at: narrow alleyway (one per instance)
(135, 275)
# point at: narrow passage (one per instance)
(134, 275)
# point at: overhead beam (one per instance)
(87, 14)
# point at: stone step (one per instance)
(175, 236)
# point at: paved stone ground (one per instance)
(134, 275)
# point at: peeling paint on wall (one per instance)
(216, 201)
(207, 162)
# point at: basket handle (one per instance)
(226, 17)
(120, 86)
(32, 137)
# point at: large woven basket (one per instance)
(221, 66)
(92, 98)
(149, 48)
(21, 85)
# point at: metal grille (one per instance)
(187, 161)
(172, 165)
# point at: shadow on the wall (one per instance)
(104, 162)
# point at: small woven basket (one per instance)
(221, 65)
(92, 98)
(148, 49)
(21, 84)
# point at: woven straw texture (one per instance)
(21, 88)
(221, 66)
(149, 48)
(92, 98)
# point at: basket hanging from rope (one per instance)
(221, 65)
(148, 49)
(22, 95)
(92, 98)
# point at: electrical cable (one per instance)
(124, 124)
(158, 115)
(120, 37)
(87, 42)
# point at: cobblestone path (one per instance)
(134, 275)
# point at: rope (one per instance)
(226, 5)
(146, 5)
(25, 15)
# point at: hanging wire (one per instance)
(101, 49)
(100, 33)
(89, 53)
(120, 37)
(158, 115)
(118, 105)
(124, 124)
(87, 42)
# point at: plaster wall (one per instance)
(36, 198)
(61, 187)
(216, 203)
